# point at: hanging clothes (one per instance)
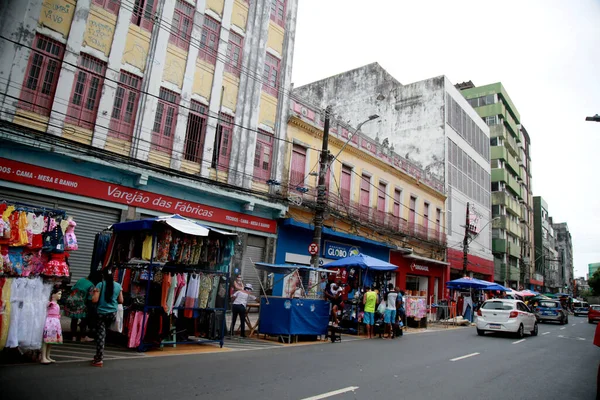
(5, 310)
(205, 288)
(191, 297)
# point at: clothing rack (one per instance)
(19, 206)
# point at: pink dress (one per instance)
(70, 239)
(52, 328)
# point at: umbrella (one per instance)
(473, 283)
(528, 293)
(363, 261)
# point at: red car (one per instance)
(594, 313)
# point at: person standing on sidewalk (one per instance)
(390, 310)
(107, 295)
(370, 302)
(240, 301)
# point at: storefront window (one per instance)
(417, 284)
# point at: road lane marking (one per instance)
(573, 324)
(519, 341)
(463, 357)
(580, 338)
(332, 393)
(545, 333)
(563, 328)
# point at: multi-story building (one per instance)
(580, 287)
(509, 169)
(431, 125)
(592, 268)
(116, 109)
(564, 248)
(372, 197)
(546, 256)
(527, 245)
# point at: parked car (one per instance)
(594, 313)
(580, 308)
(506, 315)
(551, 310)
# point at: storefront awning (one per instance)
(331, 232)
(175, 221)
(426, 259)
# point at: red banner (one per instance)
(33, 175)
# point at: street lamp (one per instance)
(595, 118)
(371, 118)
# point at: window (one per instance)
(209, 41)
(412, 210)
(381, 193)
(426, 215)
(110, 5)
(346, 184)
(165, 120)
(438, 220)
(278, 12)
(234, 54)
(125, 106)
(143, 13)
(397, 202)
(492, 120)
(195, 132)
(41, 75)
(365, 193)
(181, 26)
(225, 137)
(87, 88)
(270, 74)
(298, 169)
(495, 187)
(263, 155)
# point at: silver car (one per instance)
(551, 310)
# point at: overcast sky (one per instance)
(546, 53)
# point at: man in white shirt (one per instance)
(390, 310)
(240, 300)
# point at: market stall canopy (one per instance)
(473, 283)
(363, 261)
(175, 221)
(528, 293)
(287, 268)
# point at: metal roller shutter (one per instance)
(249, 273)
(90, 220)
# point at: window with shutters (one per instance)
(271, 74)
(195, 132)
(412, 211)
(209, 40)
(41, 76)
(234, 54)
(181, 26)
(278, 12)
(438, 221)
(165, 120)
(346, 184)
(263, 155)
(365, 194)
(225, 137)
(426, 215)
(143, 13)
(381, 195)
(87, 88)
(397, 202)
(298, 170)
(109, 5)
(125, 106)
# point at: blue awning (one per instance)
(331, 232)
(175, 221)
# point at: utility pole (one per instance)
(321, 190)
(466, 242)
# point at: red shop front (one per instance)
(479, 267)
(420, 275)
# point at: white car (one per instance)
(506, 315)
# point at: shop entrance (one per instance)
(417, 285)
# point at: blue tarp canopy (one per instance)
(175, 221)
(363, 261)
(287, 268)
(473, 283)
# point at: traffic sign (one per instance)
(313, 249)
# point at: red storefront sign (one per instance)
(34, 175)
(414, 267)
(474, 264)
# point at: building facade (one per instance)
(527, 245)
(564, 248)
(373, 195)
(546, 256)
(592, 268)
(509, 170)
(144, 107)
(433, 127)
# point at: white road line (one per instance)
(545, 333)
(519, 341)
(463, 357)
(563, 328)
(332, 393)
(573, 324)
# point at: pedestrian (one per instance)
(390, 310)
(107, 296)
(370, 302)
(78, 306)
(333, 294)
(240, 301)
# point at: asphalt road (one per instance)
(560, 363)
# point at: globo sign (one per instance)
(338, 250)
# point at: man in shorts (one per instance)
(389, 317)
(370, 302)
(333, 293)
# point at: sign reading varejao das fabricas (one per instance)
(28, 174)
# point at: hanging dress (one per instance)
(16, 304)
(5, 311)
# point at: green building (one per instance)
(593, 267)
(511, 210)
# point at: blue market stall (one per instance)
(284, 316)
